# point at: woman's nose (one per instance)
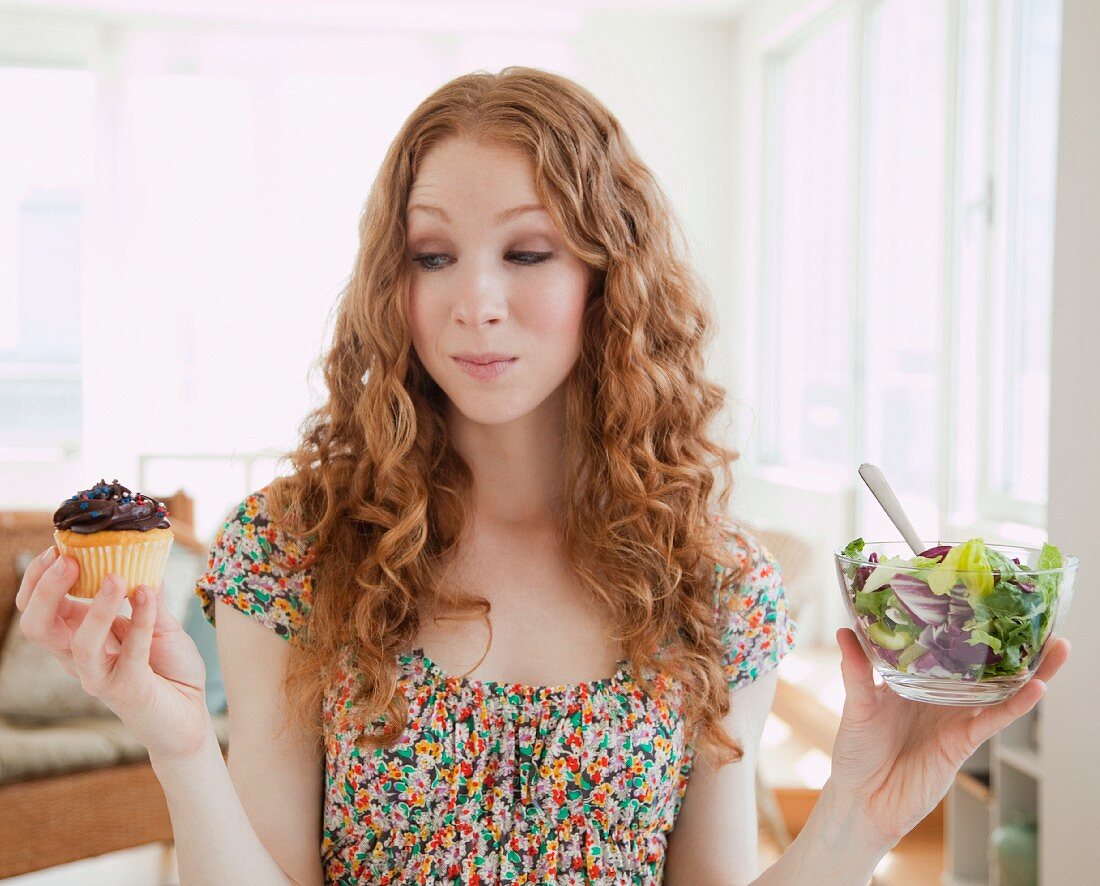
(482, 297)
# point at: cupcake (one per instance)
(110, 529)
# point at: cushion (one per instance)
(74, 744)
(206, 639)
(31, 751)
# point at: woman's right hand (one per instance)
(145, 668)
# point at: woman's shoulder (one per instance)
(757, 627)
(743, 544)
(258, 567)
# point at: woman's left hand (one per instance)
(894, 759)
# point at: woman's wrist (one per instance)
(841, 823)
(835, 847)
(179, 765)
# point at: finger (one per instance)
(1053, 660)
(71, 612)
(135, 648)
(855, 668)
(90, 638)
(996, 717)
(122, 623)
(40, 617)
(32, 574)
(165, 621)
(853, 654)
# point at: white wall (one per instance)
(1070, 713)
(670, 81)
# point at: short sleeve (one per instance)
(755, 626)
(252, 568)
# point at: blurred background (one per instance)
(868, 188)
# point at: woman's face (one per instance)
(490, 275)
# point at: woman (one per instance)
(517, 425)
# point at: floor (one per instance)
(141, 866)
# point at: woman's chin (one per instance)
(491, 408)
(489, 415)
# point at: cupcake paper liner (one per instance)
(138, 563)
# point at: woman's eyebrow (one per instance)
(505, 216)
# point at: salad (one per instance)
(992, 625)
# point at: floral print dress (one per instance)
(497, 782)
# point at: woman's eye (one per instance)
(532, 258)
(421, 259)
(523, 258)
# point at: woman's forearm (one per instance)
(215, 841)
(834, 848)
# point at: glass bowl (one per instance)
(973, 643)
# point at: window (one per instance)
(1023, 226)
(809, 170)
(178, 214)
(909, 158)
(44, 154)
(901, 243)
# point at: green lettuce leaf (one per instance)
(970, 560)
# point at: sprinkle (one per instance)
(83, 506)
(95, 513)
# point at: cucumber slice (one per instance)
(910, 655)
(887, 639)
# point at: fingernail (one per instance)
(49, 554)
(60, 566)
(140, 596)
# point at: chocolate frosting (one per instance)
(110, 506)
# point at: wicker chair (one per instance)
(83, 786)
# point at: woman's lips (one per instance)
(485, 371)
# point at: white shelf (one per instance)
(1002, 777)
(1021, 759)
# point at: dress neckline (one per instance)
(500, 687)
